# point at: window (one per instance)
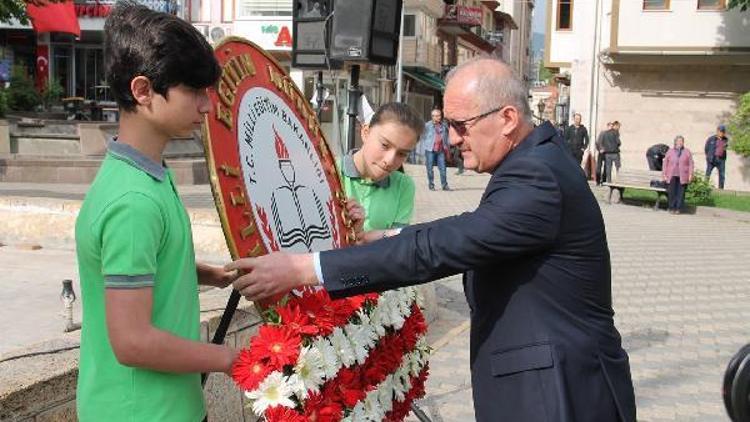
(410, 25)
(249, 8)
(564, 14)
(712, 4)
(655, 4)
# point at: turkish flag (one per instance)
(54, 17)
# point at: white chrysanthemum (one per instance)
(273, 391)
(373, 409)
(358, 413)
(297, 386)
(376, 321)
(343, 347)
(355, 333)
(331, 361)
(310, 371)
(385, 395)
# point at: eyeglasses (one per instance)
(460, 125)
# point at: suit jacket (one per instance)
(680, 166)
(427, 139)
(537, 278)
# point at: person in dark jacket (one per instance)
(716, 153)
(600, 155)
(534, 255)
(655, 156)
(577, 138)
(611, 145)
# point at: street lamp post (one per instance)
(540, 106)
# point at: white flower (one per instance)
(273, 391)
(372, 407)
(297, 386)
(376, 320)
(355, 333)
(343, 347)
(358, 413)
(385, 394)
(331, 361)
(310, 370)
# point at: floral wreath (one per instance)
(362, 358)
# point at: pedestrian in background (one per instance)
(655, 156)
(716, 153)
(577, 138)
(611, 145)
(436, 146)
(678, 173)
(600, 155)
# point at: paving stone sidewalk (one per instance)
(681, 289)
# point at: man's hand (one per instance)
(273, 274)
(357, 215)
(208, 275)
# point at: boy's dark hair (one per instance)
(164, 48)
(399, 113)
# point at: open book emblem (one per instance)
(309, 221)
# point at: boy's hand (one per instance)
(209, 275)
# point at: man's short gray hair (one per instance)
(495, 92)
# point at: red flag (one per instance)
(54, 17)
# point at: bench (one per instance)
(634, 179)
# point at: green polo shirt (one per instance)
(133, 232)
(389, 203)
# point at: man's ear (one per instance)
(142, 90)
(512, 119)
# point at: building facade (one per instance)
(660, 67)
(77, 64)
(519, 41)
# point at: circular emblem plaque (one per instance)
(273, 176)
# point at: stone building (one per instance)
(660, 67)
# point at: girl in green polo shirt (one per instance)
(379, 193)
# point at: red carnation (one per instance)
(342, 311)
(276, 345)
(320, 409)
(346, 387)
(248, 372)
(284, 414)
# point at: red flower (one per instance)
(346, 387)
(293, 317)
(342, 311)
(248, 372)
(284, 414)
(319, 408)
(278, 346)
(315, 306)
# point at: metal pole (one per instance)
(319, 89)
(400, 63)
(354, 94)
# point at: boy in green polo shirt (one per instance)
(141, 357)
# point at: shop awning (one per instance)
(54, 17)
(430, 80)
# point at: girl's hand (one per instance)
(357, 214)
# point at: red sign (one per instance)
(274, 178)
(95, 10)
(54, 17)
(462, 15)
(285, 38)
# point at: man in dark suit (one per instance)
(534, 255)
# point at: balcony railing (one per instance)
(419, 53)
